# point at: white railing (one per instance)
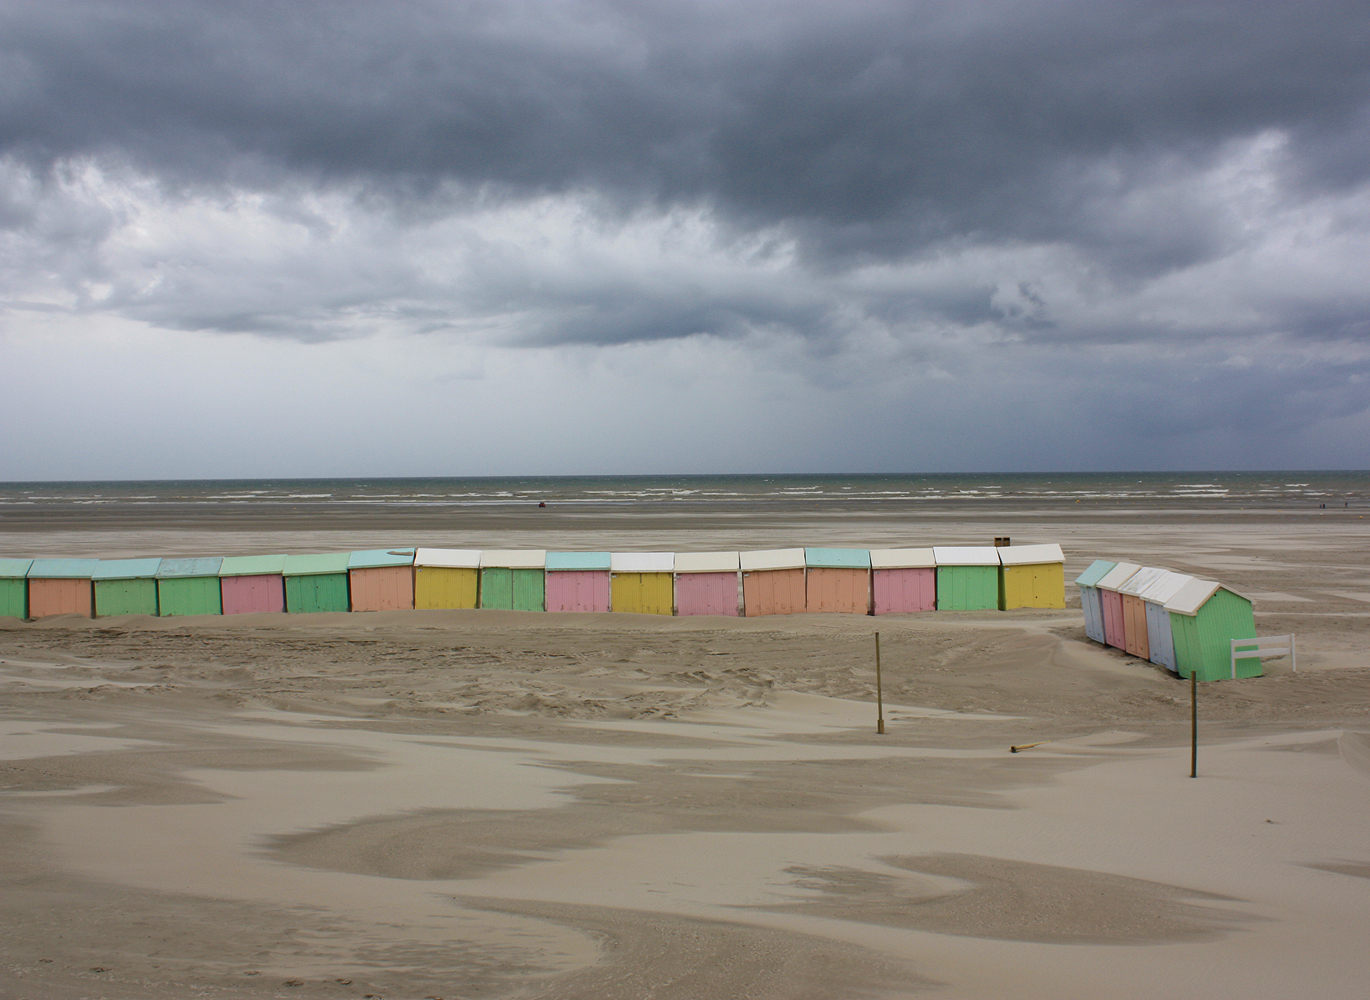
(1275, 645)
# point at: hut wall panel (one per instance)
(125, 597)
(903, 591)
(189, 595)
(843, 591)
(445, 587)
(1092, 605)
(243, 595)
(1033, 586)
(1112, 603)
(61, 597)
(774, 592)
(578, 590)
(643, 593)
(529, 589)
(382, 588)
(967, 588)
(497, 588)
(706, 594)
(14, 598)
(317, 592)
(1160, 643)
(1135, 639)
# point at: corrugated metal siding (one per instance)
(382, 588)
(967, 588)
(253, 594)
(125, 597)
(1033, 585)
(773, 592)
(903, 591)
(841, 591)
(316, 592)
(577, 590)
(14, 598)
(1114, 628)
(61, 597)
(706, 594)
(1159, 640)
(1093, 607)
(189, 595)
(445, 587)
(643, 593)
(1135, 639)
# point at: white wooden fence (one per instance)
(1275, 645)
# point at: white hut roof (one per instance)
(766, 559)
(902, 559)
(1140, 580)
(1031, 555)
(1117, 576)
(707, 562)
(642, 562)
(449, 558)
(966, 555)
(514, 558)
(1194, 595)
(1166, 586)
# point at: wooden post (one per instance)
(879, 694)
(1193, 722)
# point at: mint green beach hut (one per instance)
(125, 587)
(316, 582)
(967, 577)
(189, 586)
(1204, 619)
(14, 588)
(513, 579)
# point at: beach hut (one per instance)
(578, 581)
(316, 581)
(773, 582)
(1204, 619)
(14, 588)
(1090, 604)
(1159, 638)
(1135, 637)
(967, 577)
(903, 581)
(513, 579)
(189, 587)
(381, 579)
(1032, 576)
(250, 584)
(643, 582)
(706, 583)
(125, 587)
(1112, 602)
(61, 587)
(838, 580)
(446, 578)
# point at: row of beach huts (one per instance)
(769, 582)
(1179, 622)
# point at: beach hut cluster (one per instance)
(1179, 622)
(768, 582)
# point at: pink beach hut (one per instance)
(706, 583)
(773, 582)
(251, 584)
(1115, 629)
(578, 581)
(903, 580)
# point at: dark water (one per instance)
(1187, 489)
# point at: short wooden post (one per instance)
(1193, 722)
(879, 694)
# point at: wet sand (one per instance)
(462, 804)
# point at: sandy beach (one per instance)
(493, 804)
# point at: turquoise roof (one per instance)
(1098, 569)
(252, 565)
(374, 558)
(317, 563)
(206, 566)
(837, 558)
(14, 569)
(62, 569)
(577, 561)
(126, 569)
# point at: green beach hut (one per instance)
(14, 588)
(125, 587)
(967, 577)
(317, 582)
(189, 587)
(513, 579)
(1204, 619)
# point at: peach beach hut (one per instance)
(838, 580)
(381, 579)
(61, 587)
(1135, 637)
(642, 582)
(706, 583)
(773, 582)
(903, 581)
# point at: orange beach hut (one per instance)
(381, 579)
(838, 580)
(62, 587)
(773, 582)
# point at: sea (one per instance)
(702, 492)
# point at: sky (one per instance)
(492, 238)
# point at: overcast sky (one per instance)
(467, 238)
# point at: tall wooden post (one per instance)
(1193, 722)
(879, 694)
